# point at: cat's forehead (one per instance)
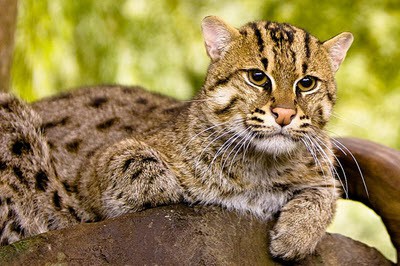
(274, 33)
(281, 48)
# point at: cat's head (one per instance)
(269, 82)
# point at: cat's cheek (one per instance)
(221, 96)
(327, 112)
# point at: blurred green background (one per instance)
(64, 44)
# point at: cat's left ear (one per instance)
(337, 48)
(217, 36)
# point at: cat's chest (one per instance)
(263, 204)
(265, 174)
(259, 189)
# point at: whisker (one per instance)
(346, 189)
(238, 135)
(241, 142)
(247, 147)
(202, 100)
(334, 114)
(215, 139)
(328, 162)
(195, 101)
(310, 148)
(216, 132)
(224, 148)
(338, 143)
(207, 129)
(209, 144)
(221, 149)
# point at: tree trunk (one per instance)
(8, 18)
(176, 235)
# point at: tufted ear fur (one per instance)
(217, 36)
(337, 48)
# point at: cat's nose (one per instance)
(283, 116)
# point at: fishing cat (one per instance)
(252, 140)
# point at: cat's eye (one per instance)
(307, 83)
(258, 78)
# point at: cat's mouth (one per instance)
(279, 133)
(275, 142)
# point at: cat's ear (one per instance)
(337, 48)
(217, 36)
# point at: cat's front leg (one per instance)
(302, 223)
(126, 177)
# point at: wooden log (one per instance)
(176, 235)
(380, 167)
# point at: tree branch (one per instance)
(176, 235)
(8, 18)
(380, 167)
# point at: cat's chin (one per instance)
(276, 145)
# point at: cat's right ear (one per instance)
(217, 36)
(337, 48)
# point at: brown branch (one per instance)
(8, 18)
(176, 235)
(380, 166)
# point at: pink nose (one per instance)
(283, 116)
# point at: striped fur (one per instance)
(251, 141)
(286, 53)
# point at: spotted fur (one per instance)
(100, 152)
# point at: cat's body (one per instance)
(251, 141)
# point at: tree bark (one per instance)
(380, 168)
(8, 19)
(176, 235)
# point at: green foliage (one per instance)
(361, 223)
(158, 44)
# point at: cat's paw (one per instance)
(289, 245)
(302, 223)
(295, 236)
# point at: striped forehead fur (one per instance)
(281, 37)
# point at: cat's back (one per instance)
(102, 109)
(78, 123)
